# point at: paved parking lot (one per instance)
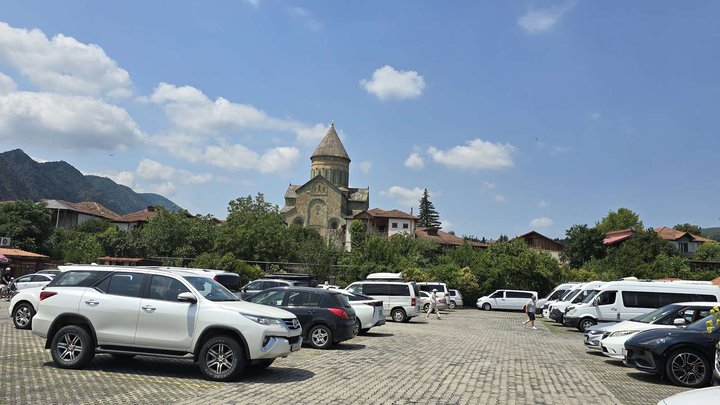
(468, 357)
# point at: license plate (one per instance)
(295, 346)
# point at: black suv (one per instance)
(325, 315)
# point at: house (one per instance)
(129, 261)
(686, 242)
(382, 222)
(66, 214)
(23, 262)
(541, 243)
(445, 238)
(613, 238)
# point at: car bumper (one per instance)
(571, 321)
(343, 332)
(556, 315)
(277, 346)
(592, 341)
(642, 359)
(380, 322)
(458, 303)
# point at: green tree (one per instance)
(582, 245)
(503, 238)
(26, 223)
(428, 216)
(73, 246)
(693, 229)
(178, 234)
(358, 235)
(623, 218)
(708, 252)
(118, 243)
(228, 262)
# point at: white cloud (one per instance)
(388, 83)
(310, 136)
(445, 224)
(490, 188)
(278, 160)
(537, 21)
(66, 122)
(62, 64)
(406, 196)
(165, 189)
(7, 84)
(253, 3)
(154, 171)
(541, 222)
(499, 198)
(307, 17)
(415, 161)
(189, 177)
(475, 155)
(126, 178)
(543, 204)
(365, 166)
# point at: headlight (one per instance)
(623, 333)
(595, 332)
(571, 312)
(263, 320)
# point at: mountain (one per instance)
(713, 233)
(22, 178)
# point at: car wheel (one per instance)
(72, 347)
(22, 316)
(426, 307)
(356, 328)
(451, 305)
(398, 315)
(585, 324)
(486, 306)
(688, 368)
(320, 337)
(221, 358)
(258, 365)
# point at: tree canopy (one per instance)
(28, 224)
(428, 217)
(693, 229)
(623, 218)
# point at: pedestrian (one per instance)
(433, 305)
(530, 311)
(5, 285)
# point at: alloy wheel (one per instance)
(220, 358)
(22, 316)
(69, 347)
(320, 337)
(688, 368)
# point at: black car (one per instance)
(325, 315)
(685, 355)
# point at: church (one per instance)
(326, 201)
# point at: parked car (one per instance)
(623, 300)
(262, 284)
(401, 300)
(553, 295)
(52, 272)
(456, 299)
(33, 281)
(546, 308)
(368, 311)
(126, 311)
(505, 299)
(669, 316)
(716, 368)
(425, 301)
(326, 316)
(684, 355)
(584, 292)
(302, 279)
(693, 397)
(441, 289)
(23, 307)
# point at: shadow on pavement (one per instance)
(596, 353)
(277, 375)
(649, 378)
(347, 346)
(378, 334)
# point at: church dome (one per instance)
(330, 146)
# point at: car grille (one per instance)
(291, 324)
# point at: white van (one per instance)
(623, 300)
(401, 300)
(585, 292)
(554, 295)
(442, 290)
(505, 299)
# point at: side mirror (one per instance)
(679, 322)
(187, 297)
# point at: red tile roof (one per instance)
(445, 238)
(614, 237)
(20, 253)
(140, 216)
(673, 234)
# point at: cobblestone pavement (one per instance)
(468, 357)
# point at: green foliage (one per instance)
(72, 246)
(582, 245)
(27, 223)
(708, 252)
(623, 218)
(693, 229)
(227, 262)
(503, 238)
(358, 234)
(177, 234)
(93, 225)
(428, 216)
(117, 243)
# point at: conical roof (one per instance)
(331, 145)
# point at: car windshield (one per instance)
(701, 324)
(590, 296)
(653, 316)
(569, 295)
(211, 289)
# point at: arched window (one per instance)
(333, 224)
(298, 221)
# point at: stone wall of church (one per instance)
(334, 169)
(320, 207)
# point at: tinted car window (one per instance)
(211, 289)
(497, 294)
(517, 294)
(430, 287)
(124, 284)
(273, 298)
(400, 290)
(40, 278)
(24, 279)
(303, 299)
(356, 289)
(606, 297)
(166, 288)
(375, 289)
(255, 285)
(77, 278)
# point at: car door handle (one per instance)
(311, 312)
(613, 309)
(92, 302)
(148, 308)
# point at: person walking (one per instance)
(5, 285)
(433, 305)
(530, 311)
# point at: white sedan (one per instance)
(33, 281)
(368, 311)
(23, 307)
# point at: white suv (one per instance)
(170, 313)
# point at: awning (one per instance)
(616, 239)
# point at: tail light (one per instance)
(215, 277)
(46, 294)
(339, 312)
(413, 301)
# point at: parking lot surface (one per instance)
(468, 357)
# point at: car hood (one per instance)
(693, 397)
(653, 334)
(250, 308)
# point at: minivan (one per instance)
(428, 286)
(505, 299)
(623, 300)
(554, 295)
(401, 300)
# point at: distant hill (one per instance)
(22, 178)
(713, 233)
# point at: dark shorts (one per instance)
(531, 315)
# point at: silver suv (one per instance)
(151, 312)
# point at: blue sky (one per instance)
(516, 115)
